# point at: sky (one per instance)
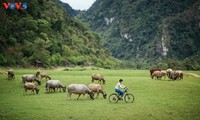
(79, 4)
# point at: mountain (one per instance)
(44, 34)
(148, 30)
(68, 9)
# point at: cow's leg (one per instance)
(32, 91)
(79, 96)
(99, 91)
(92, 80)
(97, 94)
(69, 96)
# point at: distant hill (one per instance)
(68, 9)
(45, 35)
(148, 30)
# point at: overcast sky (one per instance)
(79, 4)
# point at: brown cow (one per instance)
(30, 86)
(153, 69)
(98, 89)
(98, 77)
(158, 74)
(45, 75)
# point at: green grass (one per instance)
(154, 99)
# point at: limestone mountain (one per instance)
(147, 30)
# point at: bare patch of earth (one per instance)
(194, 75)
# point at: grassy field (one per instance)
(154, 99)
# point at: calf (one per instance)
(45, 75)
(30, 86)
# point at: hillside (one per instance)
(68, 9)
(45, 35)
(148, 30)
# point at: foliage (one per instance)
(67, 8)
(137, 29)
(45, 35)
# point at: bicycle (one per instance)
(128, 97)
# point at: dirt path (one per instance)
(3, 72)
(192, 74)
(59, 68)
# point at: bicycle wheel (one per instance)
(129, 98)
(113, 98)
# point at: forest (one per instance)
(44, 35)
(163, 33)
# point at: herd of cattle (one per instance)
(172, 75)
(53, 85)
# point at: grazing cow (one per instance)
(178, 74)
(98, 77)
(158, 74)
(45, 75)
(172, 76)
(153, 69)
(53, 84)
(11, 74)
(169, 71)
(30, 78)
(164, 73)
(79, 89)
(30, 86)
(98, 89)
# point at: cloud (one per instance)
(79, 4)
